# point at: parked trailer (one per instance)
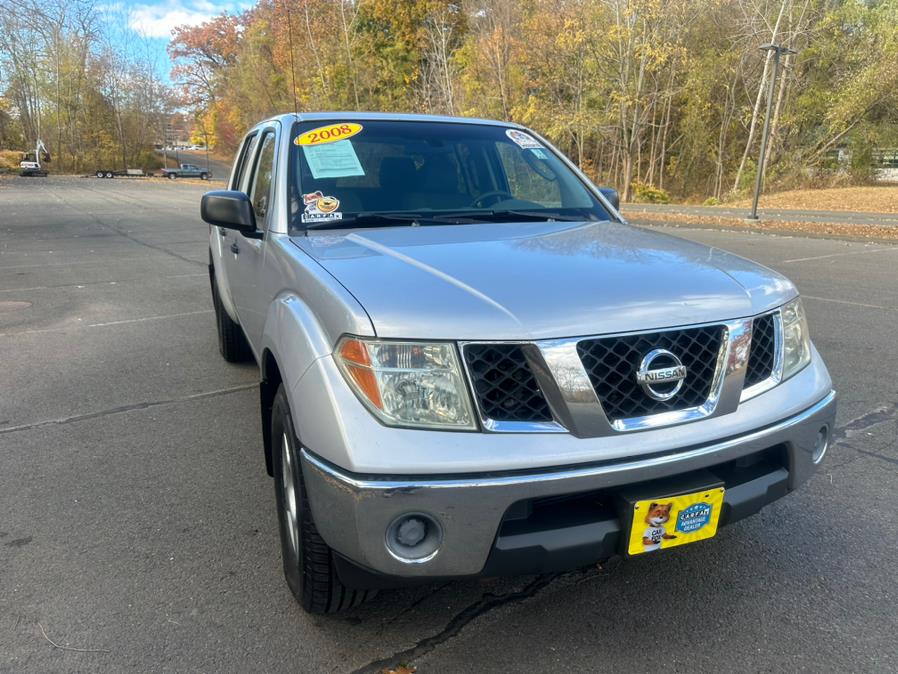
(127, 173)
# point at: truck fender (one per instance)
(292, 340)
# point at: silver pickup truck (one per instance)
(471, 365)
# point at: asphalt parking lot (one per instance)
(137, 524)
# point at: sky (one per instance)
(151, 21)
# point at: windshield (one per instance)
(382, 173)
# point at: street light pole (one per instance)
(759, 173)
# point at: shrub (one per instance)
(645, 193)
(711, 201)
(9, 159)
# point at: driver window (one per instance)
(524, 182)
(260, 191)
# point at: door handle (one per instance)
(223, 232)
(235, 248)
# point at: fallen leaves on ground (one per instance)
(399, 669)
(822, 229)
(872, 198)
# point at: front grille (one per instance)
(504, 386)
(762, 353)
(612, 362)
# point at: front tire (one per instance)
(308, 561)
(232, 342)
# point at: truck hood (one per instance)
(539, 280)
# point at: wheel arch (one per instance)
(268, 387)
(292, 340)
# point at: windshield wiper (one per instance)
(537, 215)
(368, 220)
(504, 216)
(374, 219)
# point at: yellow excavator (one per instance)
(33, 164)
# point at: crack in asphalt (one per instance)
(876, 416)
(486, 604)
(127, 408)
(877, 455)
(114, 228)
(420, 600)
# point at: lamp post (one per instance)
(759, 174)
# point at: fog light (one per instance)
(821, 444)
(414, 538)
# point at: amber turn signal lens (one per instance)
(358, 366)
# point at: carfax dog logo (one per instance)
(320, 207)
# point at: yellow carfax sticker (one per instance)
(677, 520)
(328, 134)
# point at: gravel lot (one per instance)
(137, 526)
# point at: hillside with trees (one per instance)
(656, 97)
(65, 77)
(647, 95)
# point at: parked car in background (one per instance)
(472, 365)
(187, 171)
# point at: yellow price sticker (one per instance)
(329, 134)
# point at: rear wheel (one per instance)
(308, 561)
(232, 342)
(171, 176)
(204, 176)
(99, 174)
(109, 174)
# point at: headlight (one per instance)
(796, 343)
(407, 383)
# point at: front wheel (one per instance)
(308, 561)
(99, 174)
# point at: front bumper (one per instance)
(352, 512)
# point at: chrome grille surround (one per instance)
(575, 406)
(776, 374)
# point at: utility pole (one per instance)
(759, 173)
(206, 142)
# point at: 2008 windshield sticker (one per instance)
(523, 140)
(328, 134)
(320, 208)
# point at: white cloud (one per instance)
(158, 19)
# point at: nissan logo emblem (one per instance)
(664, 382)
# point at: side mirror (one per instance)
(611, 195)
(229, 209)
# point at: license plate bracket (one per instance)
(669, 513)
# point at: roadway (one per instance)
(137, 524)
